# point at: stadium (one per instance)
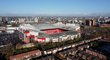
(48, 32)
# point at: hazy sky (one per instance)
(54, 7)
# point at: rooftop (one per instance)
(44, 26)
(60, 34)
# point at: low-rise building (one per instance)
(26, 56)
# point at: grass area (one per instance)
(97, 31)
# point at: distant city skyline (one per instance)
(55, 7)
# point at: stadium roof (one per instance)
(60, 34)
(44, 26)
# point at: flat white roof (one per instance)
(45, 26)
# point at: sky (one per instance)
(54, 7)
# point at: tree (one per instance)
(8, 50)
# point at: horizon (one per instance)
(55, 7)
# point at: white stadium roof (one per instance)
(44, 26)
(39, 27)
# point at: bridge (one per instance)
(57, 52)
(53, 51)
